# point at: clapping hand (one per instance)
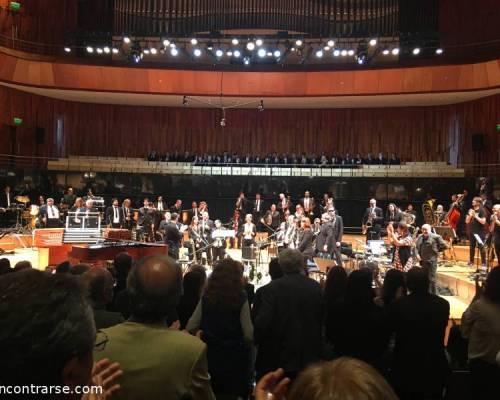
(272, 386)
(104, 375)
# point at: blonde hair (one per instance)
(342, 379)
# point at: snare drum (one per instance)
(34, 210)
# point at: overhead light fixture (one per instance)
(126, 39)
(439, 51)
(373, 42)
(351, 52)
(146, 51)
(194, 41)
(154, 51)
(343, 53)
(299, 42)
(166, 42)
(251, 46)
(326, 48)
(331, 43)
(237, 53)
(172, 45)
(107, 50)
(336, 52)
(319, 53)
(67, 49)
(174, 51)
(259, 42)
(229, 53)
(219, 53)
(395, 51)
(416, 51)
(385, 52)
(277, 53)
(197, 52)
(235, 41)
(99, 50)
(115, 50)
(261, 53)
(246, 61)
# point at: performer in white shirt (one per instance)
(249, 231)
(50, 215)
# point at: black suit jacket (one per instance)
(338, 229)
(3, 199)
(326, 237)
(305, 245)
(287, 324)
(172, 235)
(145, 216)
(110, 216)
(378, 220)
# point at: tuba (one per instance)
(429, 213)
(408, 218)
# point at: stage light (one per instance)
(172, 45)
(219, 53)
(319, 53)
(331, 43)
(154, 51)
(235, 42)
(246, 61)
(373, 42)
(277, 53)
(126, 39)
(99, 50)
(259, 42)
(269, 53)
(67, 49)
(174, 51)
(194, 41)
(343, 53)
(336, 52)
(229, 53)
(416, 51)
(385, 52)
(251, 46)
(197, 52)
(262, 53)
(439, 51)
(107, 50)
(237, 53)
(146, 51)
(395, 51)
(166, 42)
(115, 50)
(351, 52)
(326, 48)
(261, 105)
(299, 42)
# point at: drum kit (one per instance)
(26, 217)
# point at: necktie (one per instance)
(116, 213)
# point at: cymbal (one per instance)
(22, 199)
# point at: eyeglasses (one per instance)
(100, 340)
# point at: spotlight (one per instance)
(331, 43)
(223, 122)
(126, 39)
(99, 50)
(197, 52)
(439, 51)
(166, 42)
(251, 46)
(235, 42)
(385, 52)
(219, 53)
(299, 42)
(174, 51)
(326, 48)
(416, 51)
(277, 53)
(343, 53)
(261, 105)
(259, 42)
(154, 51)
(319, 53)
(67, 49)
(373, 42)
(262, 53)
(246, 61)
(351, 52)
(395, 51)
(336, 52)
(172, 45)
(229, 53)
(194, 41)
(237, 53)
(115, 50)
(146, 51)
(107, 50)
(185, 102)
(269, 53)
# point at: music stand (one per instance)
(480, 245)
(448, 234)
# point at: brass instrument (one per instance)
(429, 213)
(408, 218)
(368, 224)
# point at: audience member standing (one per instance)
(193, 284)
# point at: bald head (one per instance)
(99, 282)
(155, 286)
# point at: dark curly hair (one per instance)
(225, 289)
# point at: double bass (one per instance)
(454, 213)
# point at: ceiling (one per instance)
(377, 101)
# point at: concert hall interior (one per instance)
(250, 199)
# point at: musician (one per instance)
(69, 198)
(90, 211)
(325, 240)
(427, 250)
(145, 221)
(206, 227)
(203, 207)
(411, 210)
(127, 214)
(40, 201)
(440, 214)
(495, 229)
(49, 215)
(177, 207)
(248, 231)
(172, 236)
(271, 220)
(308, 204)
(257, 208)
(160, 205)
(113, 215)
(338, 232)
(305, 239)
(196, 240)
(287, 232)
(89, 195)
(393, 215)
(403, 243)
(316, 227)
(373, 215)
(242, 203)
(284, 205)
(299, 212)
(193, 212)
(476, 221)
(7, 198)
(219, 242)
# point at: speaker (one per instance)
(39, 135)
(478, 142)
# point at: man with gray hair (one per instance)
(427, 250)
(288, 323)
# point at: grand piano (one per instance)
(101, 252)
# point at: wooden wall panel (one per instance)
(415, 133)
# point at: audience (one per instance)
(47, 334)
(99, 283)
(5, 266)
(157, 362)
(22, 265)
(193, 284)
(420, 368)
(393, 288)
(289, 319)
(357, 327)
(63, 268)
(481, 325)
(223, 316)
(122, 265)
(79, 269)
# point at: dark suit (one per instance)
(312, 206)
(257, 214)
(50, 222)
(281, 209)
(110, 217)
(420, 366)
(373, 233)
(69, 199)
(338, 232)
(172, 238)
(287, 324)
(127, 217)
(305, 244)
(3, 199)
(326, 237)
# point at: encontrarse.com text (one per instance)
(50, 390)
